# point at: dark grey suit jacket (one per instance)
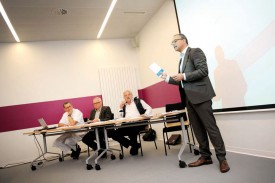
(105, 114)
(197, 85)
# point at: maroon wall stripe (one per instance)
(24, 116)
(160, 94)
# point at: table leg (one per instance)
(45, 151)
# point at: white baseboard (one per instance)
(246, 151)
(251, 152)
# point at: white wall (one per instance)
(46, 71)
(251, 133)
(155, 44)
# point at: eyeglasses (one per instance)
(67, 107)
(96, 103)
(175, 41)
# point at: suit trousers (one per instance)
(67, 142)
(131, 132)
(203, 122)
(90, 138)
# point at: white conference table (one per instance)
(111, 124)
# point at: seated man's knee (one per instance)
(57, 143)
(86, 139)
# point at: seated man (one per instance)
(131, 108)
(68, 141)
(99, 113)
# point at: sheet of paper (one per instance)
(156, 69)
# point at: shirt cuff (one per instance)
(167, 79)
(184, 76)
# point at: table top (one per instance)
(118, 121)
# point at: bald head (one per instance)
(97, 102)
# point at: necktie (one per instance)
(181, 61)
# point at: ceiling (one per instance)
(50, 20)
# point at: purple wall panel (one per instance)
(25, 116)
(160, 94)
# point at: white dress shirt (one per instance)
(182, 54)
(132, 111)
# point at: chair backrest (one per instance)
(176, 106)
(112, 116)
(172, 107)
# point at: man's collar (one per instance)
(185, 49)
(98, 109)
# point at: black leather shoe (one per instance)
(224, 167)
(201, 161)
(73, 153)
(134, 149)
(77, 152)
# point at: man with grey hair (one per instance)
(99, 113)
(196, 94)
(131, 108)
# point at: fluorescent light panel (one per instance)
(6, 18)
(106, 18)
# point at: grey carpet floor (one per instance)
(153, 167)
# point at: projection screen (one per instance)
(238, 38)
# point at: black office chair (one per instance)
(176, 126)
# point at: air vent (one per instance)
(134, 12)
(59, 11)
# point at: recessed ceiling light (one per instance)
(106, 18)
(6, 18)
(59, 11)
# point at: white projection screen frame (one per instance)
(238, 38)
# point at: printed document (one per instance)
(156, 69)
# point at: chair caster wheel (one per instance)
(113, 157)
(89, 167)
(182, 164)
(196, 152)
(97, 167)
(60, 159)
(121, 156)
(33, 168)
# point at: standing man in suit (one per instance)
(99, 113)
(196, 93)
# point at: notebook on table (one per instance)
(44, 124)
